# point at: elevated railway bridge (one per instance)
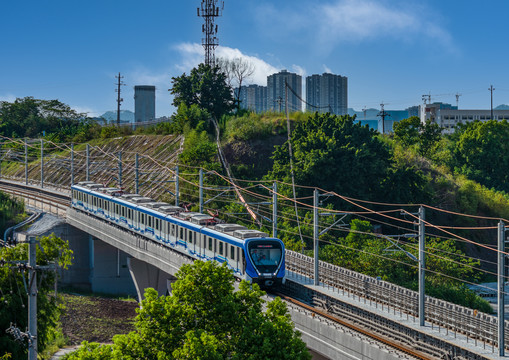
(346, 316)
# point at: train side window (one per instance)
(191, 233)
(232, 252)
(210, 244)
(220, 248)
(122, 211)
(173, 229)
(181, 234)
(149, 218)
(142, 218)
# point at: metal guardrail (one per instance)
(475, 325)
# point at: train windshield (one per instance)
(265, 255)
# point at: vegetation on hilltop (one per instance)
(205, 318)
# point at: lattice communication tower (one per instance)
(209, 11)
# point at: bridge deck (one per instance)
(457, 340)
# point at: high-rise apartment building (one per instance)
(276, 91)
(327, 93)
(144, 103)
(253, 97)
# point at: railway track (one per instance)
(312, 302)
(50, 200)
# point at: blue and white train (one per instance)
(251, 254)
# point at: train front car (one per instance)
(265, 261)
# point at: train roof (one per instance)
(239, 235)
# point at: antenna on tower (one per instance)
(119, 99)
(209, 11)
(458, 99)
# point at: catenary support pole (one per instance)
(422, 266)
(42, 163)
(315, 235)
(32, 299)
(274, 209)
(501, 292)
(72, 164)
(120, 169)
(88, 162)
(201, 190)
(136, 174)
(177, 185)
(26, 162)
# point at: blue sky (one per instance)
(391, 51)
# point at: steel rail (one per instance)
(359, 329)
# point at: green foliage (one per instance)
(11, 211)
(14, 298)
(254, 126)
(332, 152)
(191, 117)
(29, 117)
(364, 252)
(90, 351)
(199, 150)
(205, 87)
(407, 130)
(205, 319)
(411, 131)
(481, 152)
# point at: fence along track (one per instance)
(449, 317)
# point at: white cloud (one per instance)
(85, 110)
(326, 69)
(336, 21)
(192, 55)
(299, 70)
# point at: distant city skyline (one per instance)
(391, 51)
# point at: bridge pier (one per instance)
(146, 275)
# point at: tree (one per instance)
(13, 310)
(29, 117)
(481, 152)
(206, 87)
(407, 130)
(236, 70)
(334, 153)
(205, 319)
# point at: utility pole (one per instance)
(201, 190)
(120, 170)
(26, 162)
(278, 101)
(315, 236)
(72, 164)
(383, 114)
(501, 288)
(88, 163)
(428, 96)
(274, 209)
(491, 91)
(32, 299)
(119, 99)
(209, 11)
(136, 174)
(42, 163)
(177, 190)
(422, 266)
(364, 110)
(458, 99)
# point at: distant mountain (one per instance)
(502, 107)
(125, 116)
